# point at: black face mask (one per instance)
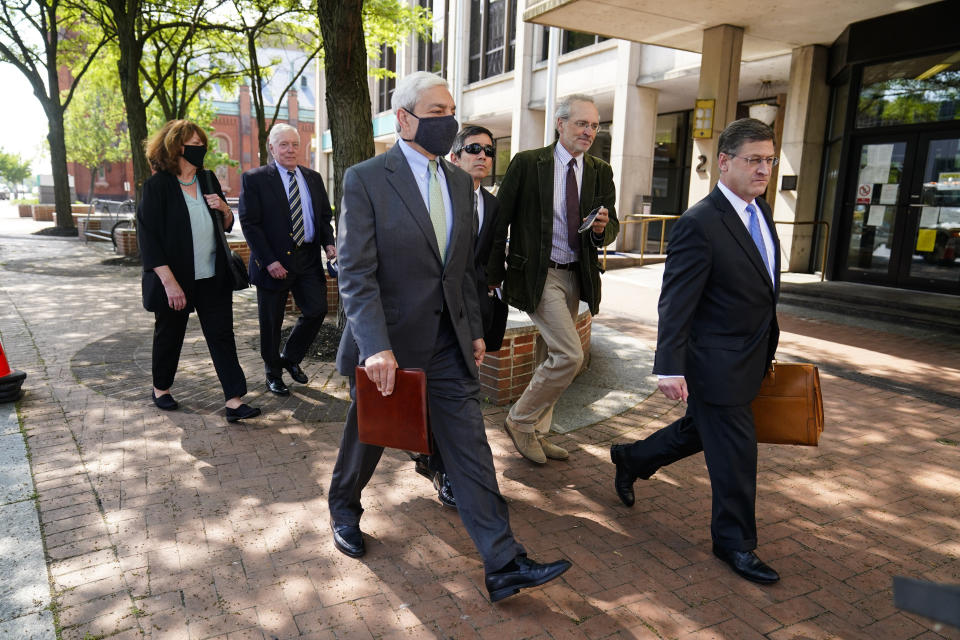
(435, 134)
(193, 153)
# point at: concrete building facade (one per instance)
(864, 97)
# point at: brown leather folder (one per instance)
(789, 408)
(399, 420)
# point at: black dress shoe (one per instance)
(521, 574)
(242, 412)
(624, 479)
(421, 465)
(294, 370)
(165, 402)
(276, 386)
(444, 491)
(348, 539)
(747, 565)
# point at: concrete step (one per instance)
(902, 307)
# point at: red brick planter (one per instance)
(25, 210)
(44, 212)
(127, 242)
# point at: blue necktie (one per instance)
(757, 236)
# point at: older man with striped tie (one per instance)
(285, 215)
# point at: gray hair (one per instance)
(410, 87)
(740, 131)
(565, 104)
(281, 127)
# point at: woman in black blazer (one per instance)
(184, 263)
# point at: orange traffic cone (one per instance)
(10, 381)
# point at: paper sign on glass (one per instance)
(589, 219)
(888, 193)
(926, 239)
(877, 214)
(929, 216)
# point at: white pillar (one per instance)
(526, 124)
(801, 153)
(720, 81)
(550, 99)
(633, 137)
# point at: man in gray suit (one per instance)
(408, 289)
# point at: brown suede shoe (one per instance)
(551, 450)
(527, 444)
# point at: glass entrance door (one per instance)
(905, 213)
(933, 258)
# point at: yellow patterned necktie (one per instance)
(438, 213)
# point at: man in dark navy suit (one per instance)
(716, 338)
(285, 215)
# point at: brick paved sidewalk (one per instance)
(176, 525)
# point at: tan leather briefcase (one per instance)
(788, 409)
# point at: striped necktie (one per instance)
(296, 209)
(757, 236)
(438, 213)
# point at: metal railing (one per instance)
(644, 220)
(826, 241)
(110, 216)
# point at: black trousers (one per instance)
(458, 431)
(309, 288)
(727, 437)
(214, 305)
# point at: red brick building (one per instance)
(234, 132)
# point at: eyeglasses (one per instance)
(474, 148)
(583, 124)
(754, 161)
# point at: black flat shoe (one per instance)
(241, 413)
(276, 385)
(164, 402)
(295, 371)
(525, 573)
(747, 565)
(348, 539)
(444, 491)
(623, 480)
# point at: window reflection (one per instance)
(925, 89)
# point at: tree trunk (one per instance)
(58, 164)
(93, 183)
(131, 52)
(348, 96)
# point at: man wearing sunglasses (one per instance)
(716, 338)
(551, 265)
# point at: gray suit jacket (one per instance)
(393, 287)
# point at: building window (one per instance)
(913, 91)
(569, 41)
(385, 86)
(102, 172)
(671, 163)
(493, 35)
(431, 52)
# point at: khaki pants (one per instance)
(556, 319)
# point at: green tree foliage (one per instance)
(95, 126)
(138, 28)
(254, 26)
(14, 170)
(31, 39)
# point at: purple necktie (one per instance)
(573, 207)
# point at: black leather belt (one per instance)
(568, 266)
